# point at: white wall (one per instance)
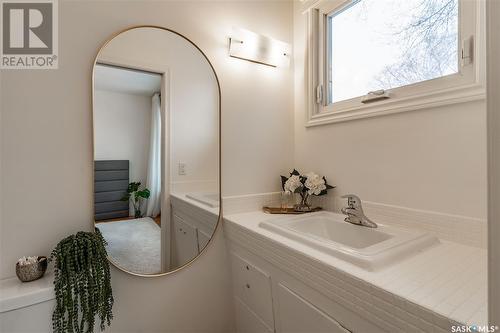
(46, 183)
(122, 130)
(432, 159)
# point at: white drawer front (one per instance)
(253, 287)
(247, 321)
(297, 315)
(185, 242)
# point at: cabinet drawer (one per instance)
(247, 321)
(298, 315)
(253, 287)
(185, 241)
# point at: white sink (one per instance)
(368, 248)
(210, 199)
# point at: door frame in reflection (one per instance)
(165, 147)
(165, 119)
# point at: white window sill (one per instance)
(451, 96)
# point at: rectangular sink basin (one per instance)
(369, 248)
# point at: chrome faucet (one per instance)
(354, 212)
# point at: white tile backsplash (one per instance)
(460, 229)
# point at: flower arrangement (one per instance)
(306, 186)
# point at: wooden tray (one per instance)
(278, 210)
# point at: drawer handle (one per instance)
(248, 286)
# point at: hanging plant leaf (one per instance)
(82, 283)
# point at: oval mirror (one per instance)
(156, 116)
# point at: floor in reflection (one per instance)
(134, 244)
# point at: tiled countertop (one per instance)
(183, 197)
(436, 288)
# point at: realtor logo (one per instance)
(29, 34)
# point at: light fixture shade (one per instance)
(247, 45)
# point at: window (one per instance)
(370, 57)
(390, 44)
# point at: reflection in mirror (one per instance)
(156, 150)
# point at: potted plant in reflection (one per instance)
(306, 186)
(136, 196)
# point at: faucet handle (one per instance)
(353, 201)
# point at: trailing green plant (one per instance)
(82, 284)
(136, 195)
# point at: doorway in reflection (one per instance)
(127, 166)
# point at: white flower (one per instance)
(292, 183)
(314, 183)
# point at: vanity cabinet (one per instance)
(248, 321)
(190, 228)
(266, 299)
(185, 241)
(296, 314)
(252, 287)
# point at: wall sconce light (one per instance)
(247, 45)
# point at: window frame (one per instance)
(466, 85)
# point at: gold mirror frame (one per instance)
(217, 226)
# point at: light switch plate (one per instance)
(182, 169)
